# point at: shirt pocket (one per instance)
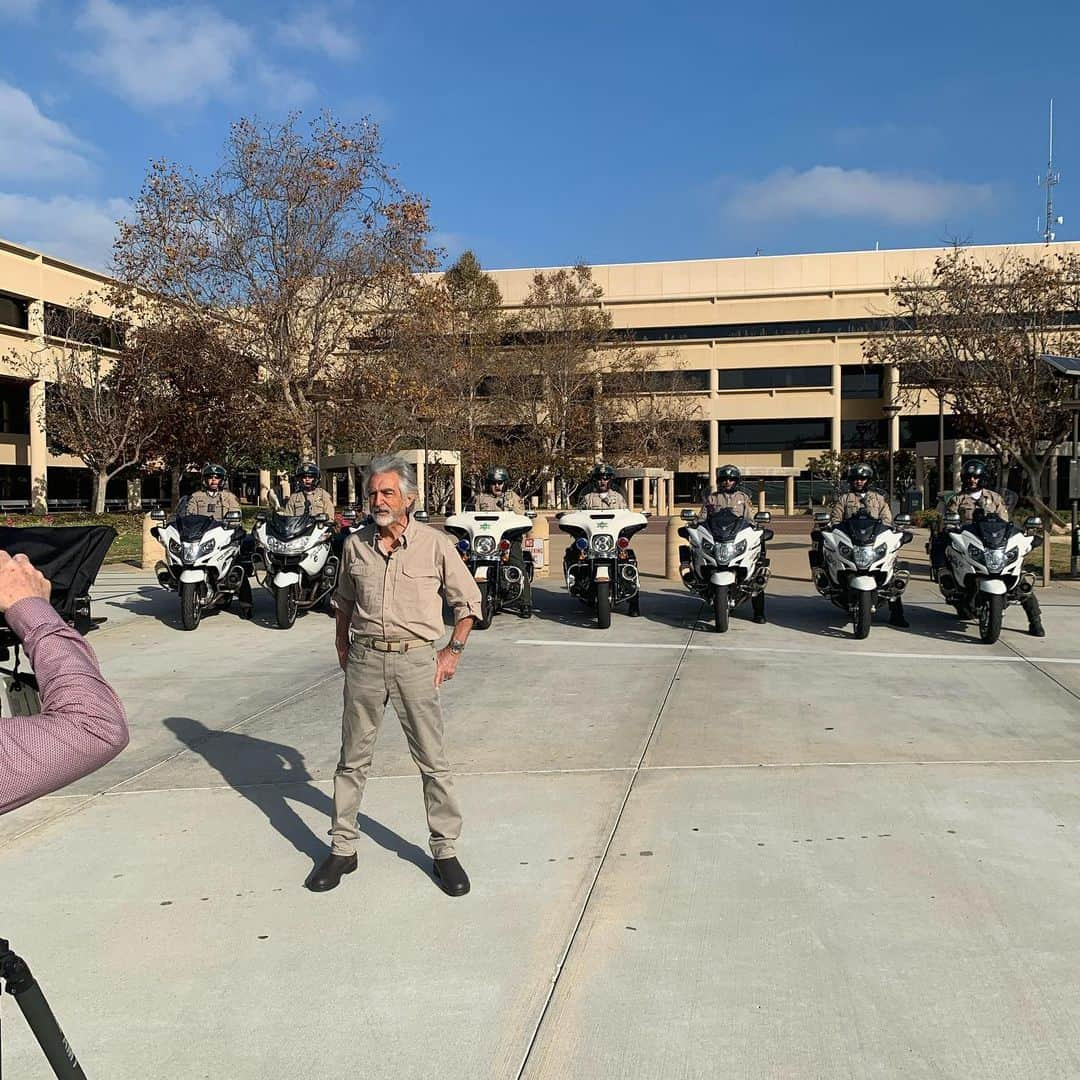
(418, 586)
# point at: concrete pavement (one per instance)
(778, 853)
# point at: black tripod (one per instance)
(23, 987)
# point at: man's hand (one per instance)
(20, 580)
(446, 663)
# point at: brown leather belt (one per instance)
(399, 646)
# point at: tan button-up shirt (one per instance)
(965, 504)
(401, 595)
(737, 501)
(316, 501)
(851, 502)
(603, 500)
(509, 501)
(214, 504)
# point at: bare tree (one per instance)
(294, 241)
(975, 331)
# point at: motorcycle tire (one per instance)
(603, 604)
(487, 611)
(990, 613)
(285, 606)
(864, 614)
(721, 609)
(190, 608)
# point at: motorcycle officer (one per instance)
(309, 498)
(859, 497)
(974, 497)
(604, 497)
(497, 494)
(499, 497)
(728, 495)
(214, 501)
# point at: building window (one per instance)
(864, 434)
(678, 381)
(63, 322)
(14, 311)
(775, 378)
(774, 435)
(14, 407)
(917, 429)
(861, 382)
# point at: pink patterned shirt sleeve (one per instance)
(82, 723)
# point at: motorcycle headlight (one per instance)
(484, 545)
(603, 543)
(283, 547)
(976, 554)
(176, 549)
(864, 556)
(727, 552)
(206, 547)
(846, 550)
(708, 547)
(191, 551)
(995, 560)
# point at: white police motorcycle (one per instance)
(984, 568)
(295, 560)
(202, 562)
(724, 561)
(484, 539)
(600, 566)
(858, 568)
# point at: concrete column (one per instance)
(350, 482)
(956, 461)
(661, 497)
(629, 484)
(421, 483)
(671, 550)
(457, 487)
(1051, 483)
(761, 496)
(789, 495)
(152, 551)
(892, 392)
(646, 493)
(549, 493)
(714, 425)
(920, 479)
(39, 451)
(264, 487)
(134, 493)
(837, 412)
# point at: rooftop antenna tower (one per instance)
(1049, 181)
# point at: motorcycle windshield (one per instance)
(193, 527)
(862, 528)
(724, 524)
(289, 528)
(69, 557)
(993, 532)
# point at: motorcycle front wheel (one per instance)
(190, 608)
(721, 610)
(990, 613)
(864, 614)
(603, 604)
(487, 608)
(285, 606)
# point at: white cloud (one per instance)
(35, 147)
(827, 191)
(316, 29)
(77, 229)
(21, 10)
(179, 55)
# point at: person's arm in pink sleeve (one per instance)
(81, 725)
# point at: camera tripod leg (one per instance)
(23, 987)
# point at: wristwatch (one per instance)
(456, 647)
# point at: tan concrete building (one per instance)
(769, 346)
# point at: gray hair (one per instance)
(395, 463)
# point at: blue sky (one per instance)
(604, 132)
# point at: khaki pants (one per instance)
(407, 680)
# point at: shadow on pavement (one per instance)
(271, 776)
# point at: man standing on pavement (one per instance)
(395, 574)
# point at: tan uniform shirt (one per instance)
(850, 503)
(400, 595)
(736, 500)
(316, 501)
(508, 500)
(990, 502)
(214, 504)
(603, 500)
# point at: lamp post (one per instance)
(318, 395)
(1069, 366)
(891, 412)
(425, 423)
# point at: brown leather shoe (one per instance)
(451, 877)
(329, 875)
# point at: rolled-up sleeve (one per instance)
(459, 589)
(344, 598)
(81, 725)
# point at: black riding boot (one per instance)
(758, 603)
(1030, 604)
(633, 606)
(896, 613)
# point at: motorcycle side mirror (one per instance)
(1033, 524)
(234, 517)
(821, 519)
(903, 520)
(531, 515)
(689, 515)
(422, 516)
(561, 514)
(157, 515)
(321, 519)
(951, 519)
(763, 517)
(260, 518)
(348, 515)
